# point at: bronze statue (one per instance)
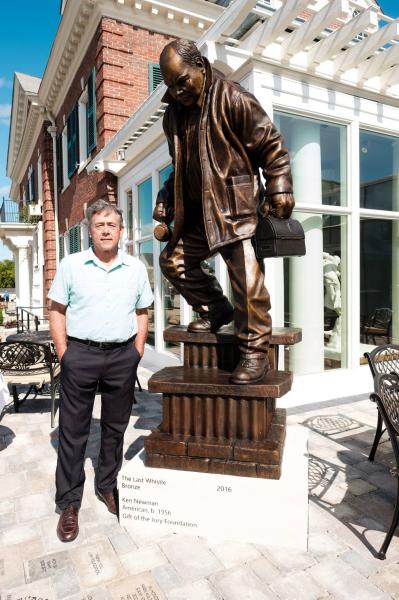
(219, 137)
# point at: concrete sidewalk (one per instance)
(350, 506)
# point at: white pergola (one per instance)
(349, 42)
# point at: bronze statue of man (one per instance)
(219, 137)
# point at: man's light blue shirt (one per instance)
(101, 303)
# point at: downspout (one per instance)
(52, 130)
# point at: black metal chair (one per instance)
(382, 360)
(386, 395)
(29, 364)
(379, 324)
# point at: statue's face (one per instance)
(185, 82)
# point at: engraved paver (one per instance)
(46, 566)
(140, 587)
(97, 563)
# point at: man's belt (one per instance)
(102, 345)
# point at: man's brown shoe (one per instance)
(250, 369)
(211, 323)
(110, 500)
(68, 527)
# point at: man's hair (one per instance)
(102, 205)
(184, 48)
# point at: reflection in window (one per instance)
(146, 255)
(315, 296)
(378, 281)
(171, 299)
(145, 207)
(144, 242)
(318, 155)
(129, 222)
(379, 166)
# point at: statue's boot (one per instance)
(212, 320)
(251, 368)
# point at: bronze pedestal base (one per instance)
(212, 426)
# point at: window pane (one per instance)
(164, 174)
(315, 296)
(146, 255)
(171, 310)
(379, 166)
(145, 208)
(318, 156)
(171, 299)
(129, 222)
(379, 280)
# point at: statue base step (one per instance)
(242, 457)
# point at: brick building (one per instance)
(102, 66)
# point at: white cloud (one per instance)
(4, 190)
(5, 112)
(4, 83)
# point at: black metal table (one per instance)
(42, 337)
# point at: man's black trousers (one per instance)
(82, 369)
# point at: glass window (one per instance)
(171, 299)
(164, 174)
(318, 155)
(379, 280)
(315, 296)
(129, 222)
(379, 166)
(145, 253)
(145, 207)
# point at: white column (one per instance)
(306, 273)
(395, 247)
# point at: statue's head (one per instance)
(183, 71)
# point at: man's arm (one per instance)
(142, 329)
(57, 318)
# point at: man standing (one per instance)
(219, 137)
(99, 323)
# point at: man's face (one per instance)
(185, 82)
(106, 231)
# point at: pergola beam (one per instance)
(271, 29)
(379, 63)
(389, 78)
(228, 22)
(303, 36)
(362, 50)
(366, 22)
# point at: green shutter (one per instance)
(74, 239)
(154, 77)
(73, 141)
(91, 130)
(27, 192)
(60, 183)
(61, 247)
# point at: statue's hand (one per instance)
(281, 205)
(160, 212)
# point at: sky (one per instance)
(27, 31)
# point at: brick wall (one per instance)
(121, 54)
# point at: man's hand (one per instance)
(280, 205)
(142, 329)
(159, 213)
